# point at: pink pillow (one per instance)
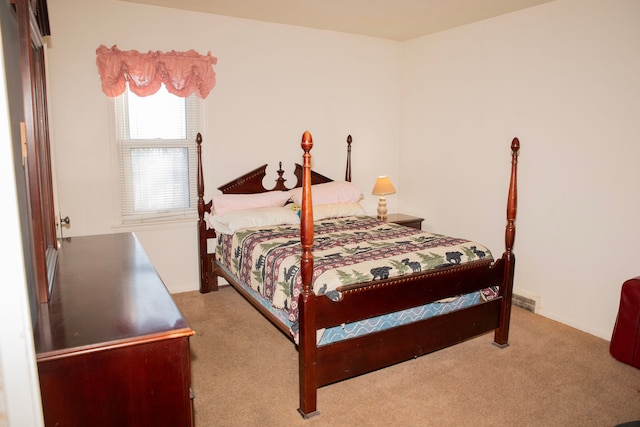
(226, 203)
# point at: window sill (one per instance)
(158, 224)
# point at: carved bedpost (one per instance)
(306, 300)
(306, 215)
(208, 282)
(202, 226)
(347, 174)
(512, 202)
(501, 337)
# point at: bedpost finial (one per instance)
(347, 173)
(199, 138)
(307, 141)
(515, 145)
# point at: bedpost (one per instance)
(306, 300)
(347, 174)
(207, 281)
(306, 215)
(501, 337)
(512, 202)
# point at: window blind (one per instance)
(157, 155)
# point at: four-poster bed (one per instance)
(455, 277)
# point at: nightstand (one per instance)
(406, 220)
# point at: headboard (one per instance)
(252, 182)
(249, 183)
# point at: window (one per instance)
(157, 155)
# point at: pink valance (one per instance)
(181, 72)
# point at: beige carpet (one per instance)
(244, 373)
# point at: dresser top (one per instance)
(106, 294)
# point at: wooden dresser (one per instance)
(111, 345)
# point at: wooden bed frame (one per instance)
(323, 365)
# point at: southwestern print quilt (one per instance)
(347, 250)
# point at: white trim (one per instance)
(156, 225)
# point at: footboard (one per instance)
(376, 298)
(355, 356)
(349, 358)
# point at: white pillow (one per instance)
(330, 192)
(225, 203)
(259, 217)
(337, 210)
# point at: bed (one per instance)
(348, 313)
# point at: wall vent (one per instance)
(528, 303)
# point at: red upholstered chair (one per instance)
(625, 341)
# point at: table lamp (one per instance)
(383, 187)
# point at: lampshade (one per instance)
(383, 186)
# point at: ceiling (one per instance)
(389, 19)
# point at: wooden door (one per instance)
(33, 23)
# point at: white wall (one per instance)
(564, 78)
(273, 83)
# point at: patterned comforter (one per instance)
(346, 251)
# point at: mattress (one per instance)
(347, 251)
